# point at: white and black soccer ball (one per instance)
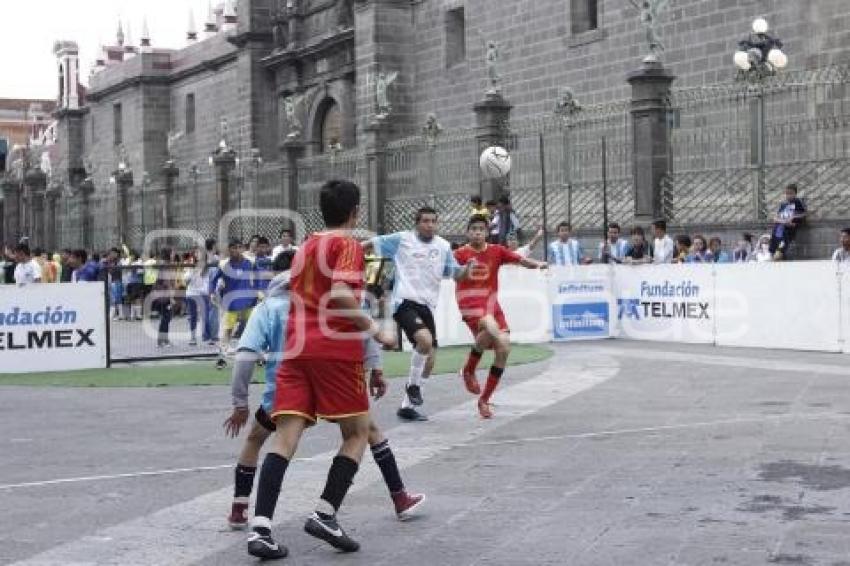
(495, 162)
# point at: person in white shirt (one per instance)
(526, 250)
(762, 252)
(566, 250)
(422, 260)
(664, 248)
(27, 270)
(286, 243)
(613, 250)
(842, 254)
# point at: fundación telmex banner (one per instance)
(52, 327)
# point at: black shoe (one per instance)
(264, 546)
(414, 393)
(411, 414)
(328, 530)
(221, 364)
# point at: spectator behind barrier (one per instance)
(663, 249)
(842, 254)
(716, 253)
(639, 251)
(614, 248)
(788, 218)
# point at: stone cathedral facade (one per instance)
(281, 82)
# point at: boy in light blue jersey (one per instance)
(265, 332)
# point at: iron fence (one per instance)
(735, 147)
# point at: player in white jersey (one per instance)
(422, 260)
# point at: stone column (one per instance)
(492, 119)
(36, 183)
(123, 182)
(376, 160)
(86, 190)
(171, 173)
(51, 195)
(651, 141)
(292, 150)
(224, 163)
(11, 211)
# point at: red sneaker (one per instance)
(485, 409)
(406, 503)
(238, 519)
(470, 381)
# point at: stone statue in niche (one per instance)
(344, 14)
(492, 62)
(382, 85)
(279, 35)
(567, 105)
(290, 109)
(46, 166)
(432, 129)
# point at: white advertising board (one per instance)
(52, 327)
(668, 303)
(787, 305)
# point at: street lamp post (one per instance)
(257, 162)
(758, 58)
(146, 182)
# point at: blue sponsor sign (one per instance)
(580, 320)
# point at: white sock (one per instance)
(417, 367)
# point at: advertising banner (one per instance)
(789, 305)
(669, 303)
(52, 327)
(582, 302)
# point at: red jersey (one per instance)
(314, 331)
(482, 285)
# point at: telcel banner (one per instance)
(52, 327)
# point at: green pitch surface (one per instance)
(203, 372)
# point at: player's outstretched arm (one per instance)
(240, 383)
(348, 306)
(533, 264)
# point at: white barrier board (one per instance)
(791, 305)
(668, 303)
(52, 327)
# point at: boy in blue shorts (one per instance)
(264, 332)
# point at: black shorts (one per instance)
(135, 292)
(412, 317)
(263, 419)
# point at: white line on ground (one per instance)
(161, 537)
(717, 360)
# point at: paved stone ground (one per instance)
(611, 453)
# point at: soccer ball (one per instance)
(495, 162)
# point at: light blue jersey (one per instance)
(265, 332)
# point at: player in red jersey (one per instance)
(478, 299)
(321, 375)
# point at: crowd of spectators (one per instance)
(659, 247)
(213, 291)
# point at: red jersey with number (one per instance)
(481, 288)
(315, 330)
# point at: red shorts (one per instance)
(315, 389)
(472, 316)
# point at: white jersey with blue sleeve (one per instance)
(420, 266)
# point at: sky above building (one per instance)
(28, 29)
